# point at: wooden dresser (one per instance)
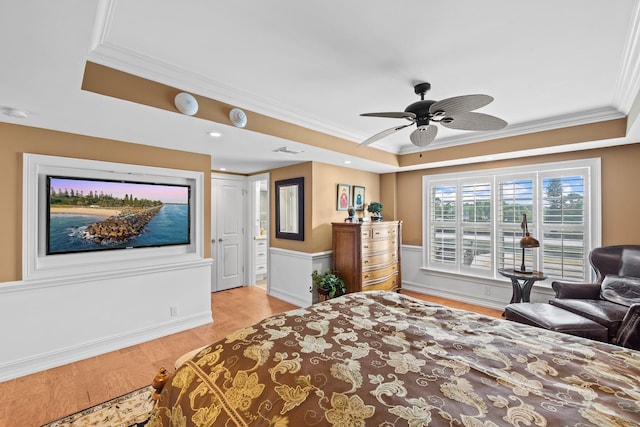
(367, 255)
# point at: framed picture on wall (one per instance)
(343, 197)
(358, 198)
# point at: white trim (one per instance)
(253, 214)
(290, 274)
(37, 265)
(63, 356)
(628, 83)
(557, 122)
(485, 292)
(88, 317)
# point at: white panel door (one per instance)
(227, 243)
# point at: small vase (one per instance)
(376, 218)
(323, 295)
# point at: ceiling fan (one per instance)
(453, 113)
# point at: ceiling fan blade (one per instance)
(474, 121)
(392, 115)
(382, 134)
(424, 135)
(460, 104)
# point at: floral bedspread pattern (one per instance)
(385, 359)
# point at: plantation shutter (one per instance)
(563, 226)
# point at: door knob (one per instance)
(220, 239)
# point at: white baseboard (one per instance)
(75, 353)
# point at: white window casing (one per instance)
(472, 221)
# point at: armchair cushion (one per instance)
(576, 290)
(630, 262)
(606, 313)
(621, 290)
(629, 333)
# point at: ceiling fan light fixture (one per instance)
(423, 135)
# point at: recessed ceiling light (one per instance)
(347, 162)
(214, 134)
(223, 169)
(15, 113)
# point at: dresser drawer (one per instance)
(390, 283)
(261, 268)
(372, 261)
(383, 232)
(379, 273)
(378, 245)
(378, 232)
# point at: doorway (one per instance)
(228, 200)
(259, 185)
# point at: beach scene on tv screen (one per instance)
(88, 214)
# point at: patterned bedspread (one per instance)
(385, 359)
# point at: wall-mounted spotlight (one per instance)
(238, 118)
(186, 103)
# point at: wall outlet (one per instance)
(173, 310)
(486, 290)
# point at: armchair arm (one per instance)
(574, 290)
(629, 332)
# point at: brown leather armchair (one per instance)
(614, 300)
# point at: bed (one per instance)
(387, 359)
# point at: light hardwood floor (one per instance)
(35, 399)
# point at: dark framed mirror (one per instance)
(290, 209)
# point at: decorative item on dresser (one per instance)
(367, 255)
(375, 208)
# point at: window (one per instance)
(473, 222)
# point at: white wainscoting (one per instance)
(290, 274)
(69, 307)
(48, 323)
(490, 293)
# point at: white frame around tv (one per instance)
(37, 265)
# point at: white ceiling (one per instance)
(548, 64)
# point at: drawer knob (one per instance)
(366, 261)
(366, 246)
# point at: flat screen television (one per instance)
(88, 214)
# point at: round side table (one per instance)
(521, 282)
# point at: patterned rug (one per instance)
(129, 410)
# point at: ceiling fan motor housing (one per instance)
(421, 110)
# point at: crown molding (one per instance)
(121, 58)
(582, 118)
(628, 84)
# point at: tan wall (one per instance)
(620, 201)
(320, 191)
(325, 192)
(16, 140)
(388, 196)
